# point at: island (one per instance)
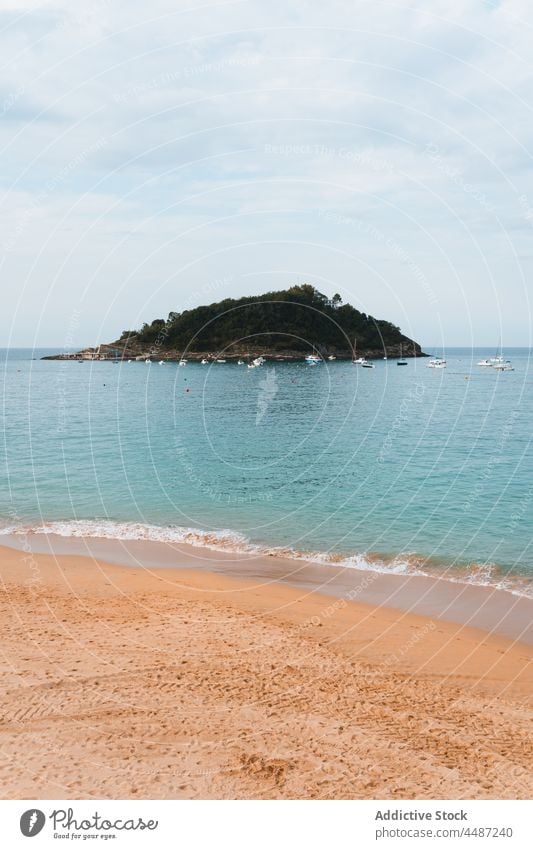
(284, 325)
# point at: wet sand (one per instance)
(159, 682)
(493, 610)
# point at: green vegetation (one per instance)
(295, 320)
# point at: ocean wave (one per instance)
(104, 529)
(478, 574)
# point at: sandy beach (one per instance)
(126, 682)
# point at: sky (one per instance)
(158, 156)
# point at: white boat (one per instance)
(500, 363)
(161, 362)
(220, 361)
(485, 363)
(205, 362)
(313, 359)
(401, 361)
(182, 363)
(148, 362)
(257, 362)
(331, 358)
(240, 362)
(359, 361)
(436, 362)
(366, 364)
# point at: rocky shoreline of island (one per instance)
(126, 353)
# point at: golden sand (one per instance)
(126, 683)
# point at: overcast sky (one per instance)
(156, 156)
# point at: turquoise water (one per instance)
(401, 468)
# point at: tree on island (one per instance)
(294, 319)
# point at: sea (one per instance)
(396, 469)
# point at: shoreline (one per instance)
(195, 357)
(187, 683)
(488, 608)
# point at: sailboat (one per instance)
(500, 363)
(401, 361)
(360, 360)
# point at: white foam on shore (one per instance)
(488, 575)
(220, 540)
(103, 529)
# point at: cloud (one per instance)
(189, 130)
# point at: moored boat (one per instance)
(401, 361)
